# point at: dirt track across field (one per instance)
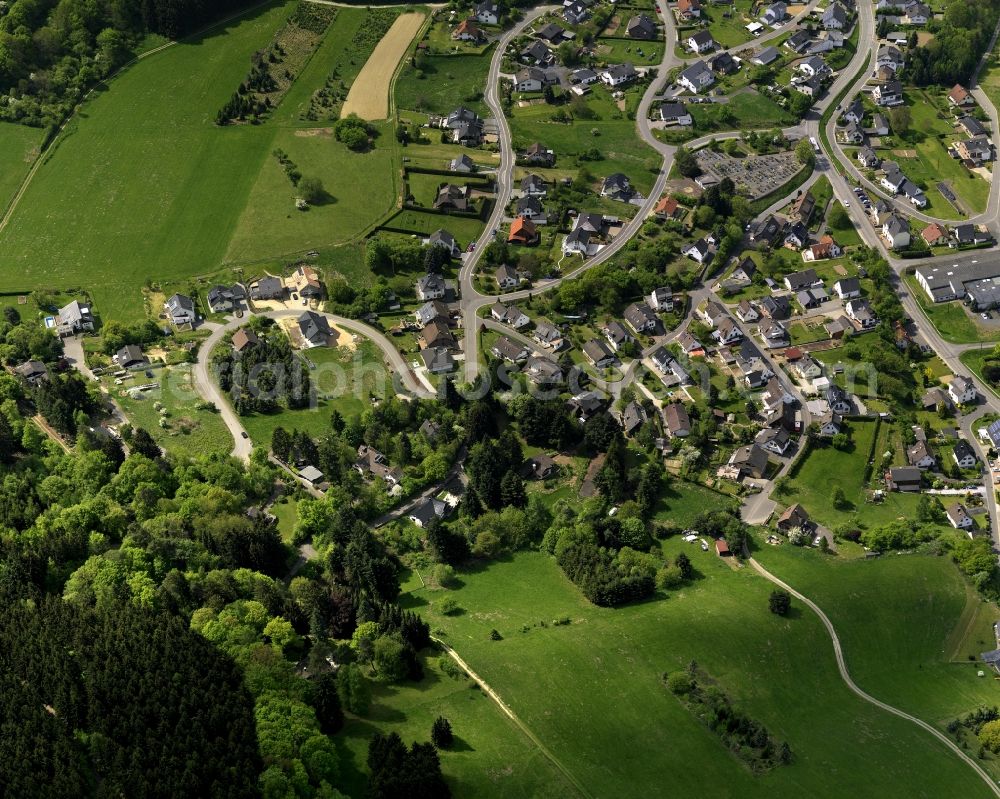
(369, 94)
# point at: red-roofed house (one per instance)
(666, 208)
(522, 231)
(958, 96)
(934, 234)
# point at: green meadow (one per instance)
(18, 150)
(592, 691)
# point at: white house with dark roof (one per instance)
(431, 287)
(696, 77)
(180, 310)
(962, 390)
(73, 318)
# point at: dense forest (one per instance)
(119, 702)
(52, 51)
(960, 39)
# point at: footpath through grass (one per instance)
(19, 146)
(592, 689)
(908, 624)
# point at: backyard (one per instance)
(951, 319)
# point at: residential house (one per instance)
(838, 399)
(576, 13)
(465, 126)
(829, 424)
(509, 315)
(529, 79)
(935, 398)
(244, 339)
(372, 463)
(889, 56)
(711, 313)
(266, 289)
(959, 516)
(808, 368)
(487, 12)
(836, 328)
(880, 125)
(507, 349)
(920, 455)
(506, 277)
(305, 281)
(431, 287)
(537, 154)
(766, 56)
(851, 134)
(437, 334)
(314, 329)
(774, 439)
(810, 87)
(698, 251)
(34, 372)
(437, 360)
(803, 207)
(541, 467)
(619, 75)
(523, 231)
(796, 236)
(598, 353)
(775, 395)
(442, 238)
(765, 231)
(467, 31)
(223, 299)
(676, 420)
(826, 248)
(746, 311)
(633, 416)
(798, 41)
(724, 64)
(727, 331)
(73, 318)
(688, 9)
(453, 198)
(538, 54)
(775, 14)
(748, 461)
(934, 235)
(813, 66)
(977, 151)
(690, 346)
(543, 371)
(583, 77)
(547, 334)
(180, 310)
(860, 312)
(903, 478)
(428, 510)
(972, 126)
(131, 357)
(675, 114)
(744, 271)
(799, 281)
(868, 158)
(533, 185)
(959, 96)
(696, 77)
(551, 33)
(835, 18)
(962, 390)
(700, 42)
(773, 334)
(775, 307)
(661, 299)
(640, 318)
(916, 14)
(848, 288)
(793, 517)
(888, 94)
(616, 334)
(896, 230)
(586, 404)
(964, 455)
(966, 234)
(618, 187)
(641, 27)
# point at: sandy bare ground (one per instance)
(369, 94)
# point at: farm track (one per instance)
(492, 694)
(858, 691)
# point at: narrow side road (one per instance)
(853, 686)
(580, 788)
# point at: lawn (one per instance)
(592, 690)
(951, 319)
(143, 184)
(907, 624)
(491, 758)
(681, 501)
(846, 235)
(344, 381)
(363, 188)
(618, 51)
(729, 31)
(824, 469)
(442, 83)
(750, 111)
(18, 149)
(464, 229)
(971, 189)
(284, 511)
(610, 132)
(975, 360)
(191, 430)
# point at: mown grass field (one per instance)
(907, 623)
(750, 111)
(444, 82)
(592, 691)
(491, 758)
(362, 189)
(18, 149)
(143, 185)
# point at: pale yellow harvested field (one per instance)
(369, 95)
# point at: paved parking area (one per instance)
(754, 175)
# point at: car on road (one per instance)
(244, 434)
(847, 205)
(986, 315)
